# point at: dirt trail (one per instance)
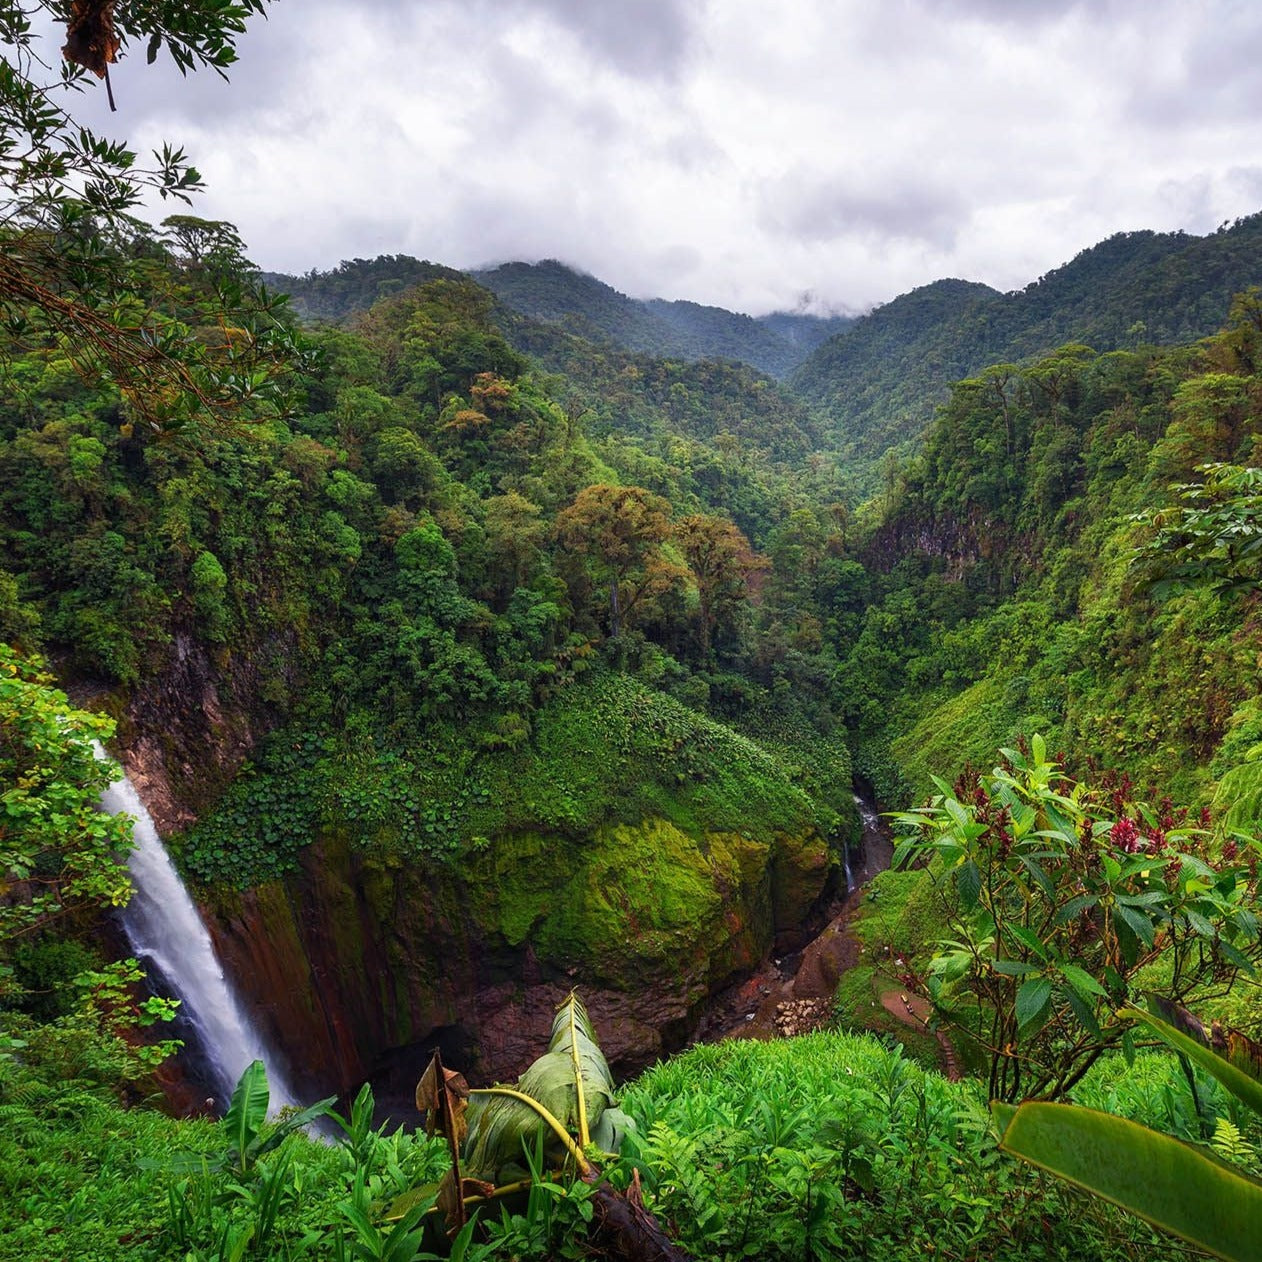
(914, 1011)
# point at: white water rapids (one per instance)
(167, 934)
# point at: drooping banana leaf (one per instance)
(572, 1083)
(573, 1060)
(568, 1088)
(1185, 1190)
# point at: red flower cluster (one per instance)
(1125, 835)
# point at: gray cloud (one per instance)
(717, 149)
(644, 38)
(807, 208)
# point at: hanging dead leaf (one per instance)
(444, 1107)
(1244, 1053)
(91, 40)
(443, 1096)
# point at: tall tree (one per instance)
(69, 269)
(618, 532)
(721, 561)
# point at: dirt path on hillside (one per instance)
(914, 1011)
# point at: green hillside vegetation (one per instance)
(580, 304)
(1016, 592)
(354, 285)
(594, 641)
(880, 380)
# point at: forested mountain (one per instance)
(509, 660)
(354, 285)
(581, 304)
(879, 381)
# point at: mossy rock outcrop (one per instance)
(359, 966)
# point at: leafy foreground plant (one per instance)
(239, 1207)
(559, 1116)
(1184, 1189)
(1061, 899)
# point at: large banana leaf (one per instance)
(1185, 1190)
(247, 1111)
(571, 1081)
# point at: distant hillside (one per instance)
(354, 285)
(880, 380)
(581, 304)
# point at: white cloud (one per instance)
(729, 151)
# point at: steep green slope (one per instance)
(1011, 595)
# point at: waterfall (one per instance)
(167, 934)
(877, 849)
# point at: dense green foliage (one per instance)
(830, 1143)
(1209, 1198)
(1013, 596)
(1061, 902)
(880, 381)
(552, 576)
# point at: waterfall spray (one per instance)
(167, 934)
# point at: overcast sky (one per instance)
(746, 153)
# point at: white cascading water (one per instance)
(166, 931)
(871, 822)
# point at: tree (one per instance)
(721, 561)
(57, 852)
(618, 531)
(75, 263)
(1212, 538)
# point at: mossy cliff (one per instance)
(361, 957)
(358, 964)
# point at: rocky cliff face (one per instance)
(358, 969)
(357, 965)
(185, 730)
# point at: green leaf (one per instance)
(499, 1126)
(1245, 1086)
(260, 1146)
(1082, 981)
(1033, 999)
(1128, 1048)
(968, 881)
(1136, 922)
(1028, 939)
(1165, 1181)
(1039, 875)
(1013, 968)
(1082, 1010)
(246, 1112)
(1075, 907)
